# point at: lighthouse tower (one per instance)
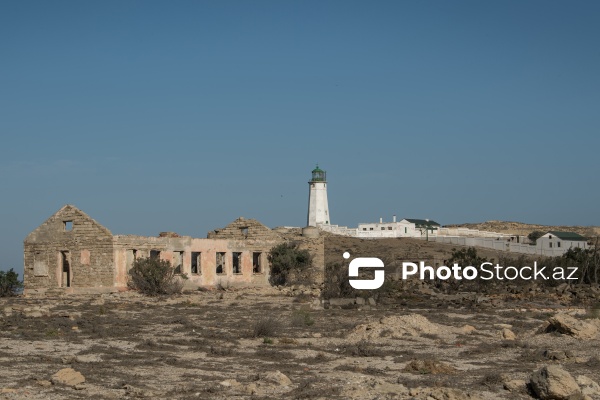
(318, 209)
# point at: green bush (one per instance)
(10, 284)
(288, 262)
(336, 282)
(534, 236)
(153, 277)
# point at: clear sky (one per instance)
(184, 115)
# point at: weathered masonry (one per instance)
(73, 253)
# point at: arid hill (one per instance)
(520, 228)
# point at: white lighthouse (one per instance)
(318, 209)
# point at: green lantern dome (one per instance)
(318, 175)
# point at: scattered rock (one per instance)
(557, 355)
(397, 327)
(137, 392)
(411, 324)
(70, 315)
(98, 302)
(229, 383)
(88, 358)
(507, 334)
(588, 386)
(552, 382)
(339, 302)
(367, 387)
(275, 378)
(250, 389)
(441, 394)
(68, 376)
(35, 312)
(569, 325)
(67, 359)
(515, 385)
(467, 329)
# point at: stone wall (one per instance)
(70, 252)
(180, 250)
(245, 228)
(316, 247)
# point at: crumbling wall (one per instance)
(72, 252)
(316, 248)
(243, 229)
(69, 251)
(251, 234)
(206, 253)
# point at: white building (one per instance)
(561, 240)
(407, 227)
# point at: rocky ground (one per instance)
(289, 344)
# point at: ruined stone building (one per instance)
(73, 253)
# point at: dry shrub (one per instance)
(429, 366)
(265, 327)
(492, 380)
(302, 318)
(153, 277)
(364, 349)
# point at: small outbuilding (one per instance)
(561, 240)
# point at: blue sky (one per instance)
(184, 115)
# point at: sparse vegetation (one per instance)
(153, 277)
(336, 282)
(364, 349)
(466, 256)
(428, 366)
(491, 380)
(593, 312)
(10, 285)
(265, 327)
(288, 263)
(302, 318)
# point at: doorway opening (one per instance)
(65, 269)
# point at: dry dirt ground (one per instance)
(202, 345)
